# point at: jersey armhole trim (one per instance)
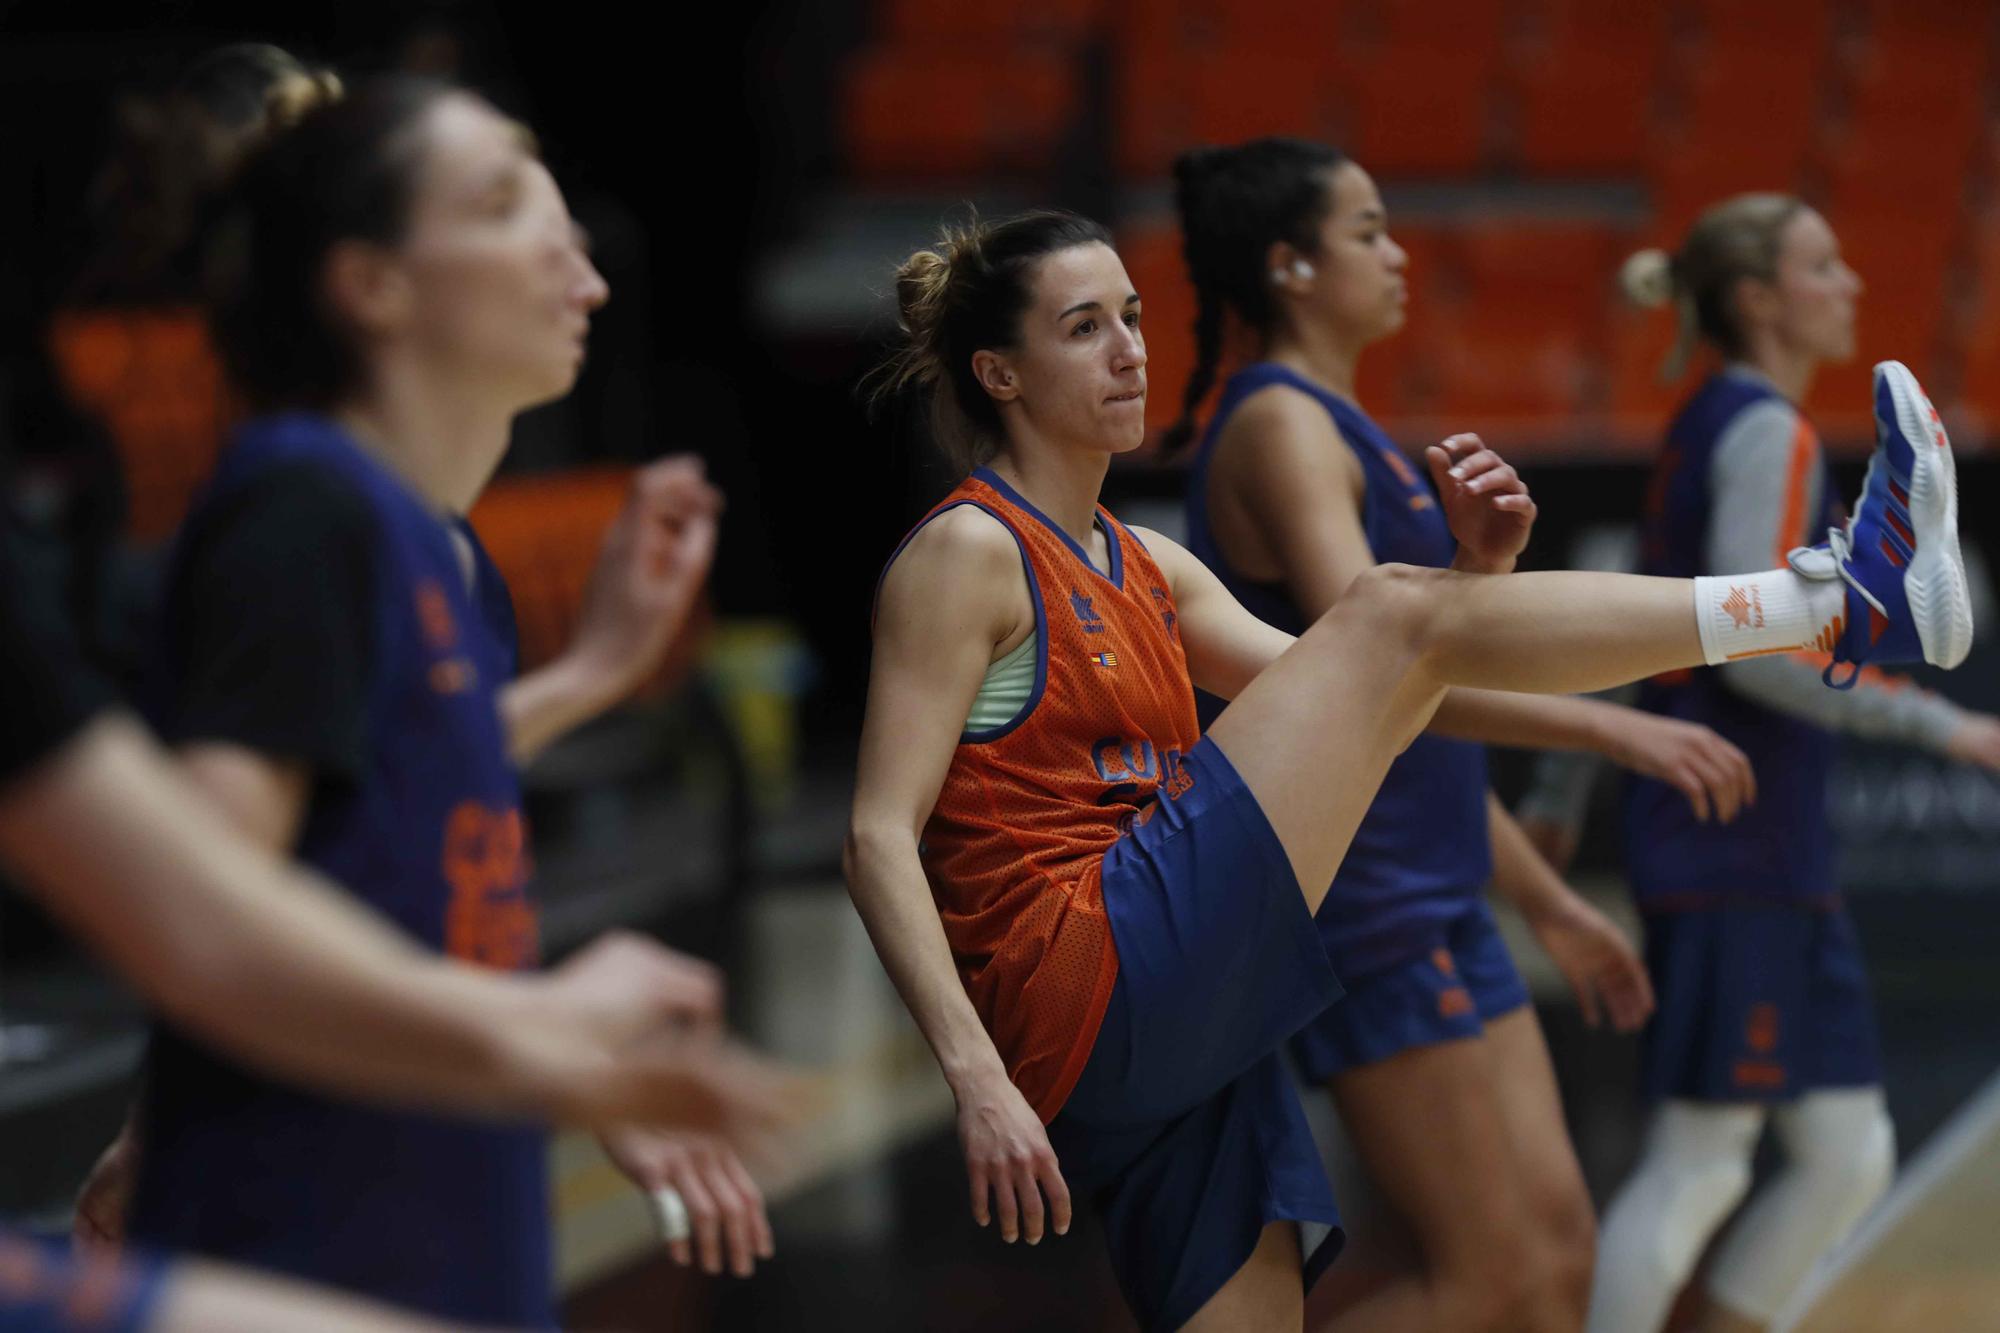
(1034, 600)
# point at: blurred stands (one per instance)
(1525, 145)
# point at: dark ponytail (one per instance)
(346, 171)
(173, 156)
(1234, 204)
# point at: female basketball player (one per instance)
(281, 969)
(401, 278)
(1292, 494)
(1101, 918)
(1764, 1007)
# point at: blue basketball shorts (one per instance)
(1462, 982)
(1185, 1129)
(1758, 1002)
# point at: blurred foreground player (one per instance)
(393, 277)
(274, 965)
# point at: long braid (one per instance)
(1234, 204)
(1208, 360)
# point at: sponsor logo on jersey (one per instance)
(1086, 614)
(1166, 609)
(451, 674)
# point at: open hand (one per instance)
(1485, 502)
(1600, 964)
(723, 1208)
(1010, 1163)
(1714, 775)
(649, 572)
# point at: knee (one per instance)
(1497, 1291)
(1568, 1234)
(1394, 603)
(1849, 1168)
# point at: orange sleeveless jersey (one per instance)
(1015, 845)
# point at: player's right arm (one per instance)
(287, 973)
(954, 598)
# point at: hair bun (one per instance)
(296, 96)
(1647, 278)
(921, 284)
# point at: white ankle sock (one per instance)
(1777, 611)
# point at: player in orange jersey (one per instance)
(1102, 920)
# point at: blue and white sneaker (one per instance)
(1898, 554)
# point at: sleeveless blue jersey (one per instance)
(444, 1215)
(1781, 847)
(1422, 849)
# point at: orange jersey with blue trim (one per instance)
(1015, 844)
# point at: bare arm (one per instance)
(954, 597)
(649, 573)
(286, 973)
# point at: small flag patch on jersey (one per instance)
(1105, 659)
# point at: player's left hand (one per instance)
(1485, 502)
(649, 572)
(1599, 963)
(721, 1210)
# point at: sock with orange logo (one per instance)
(1777, 611)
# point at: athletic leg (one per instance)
(1266, 1293)
(1429, 1126)
(1314, 733)
(1547, 1174)
(1694, 1171)
(1840, 1152)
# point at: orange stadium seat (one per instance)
(1167, 98)
(1885, 175)
(1152, 255)
(1566, 262)
(935, 22)
(1496, 363)
(1637, 345)
(1419, 110)
(1293, 25)
(152, 378)
(543, 531)
(1593, 26)
(1587, 114)
(1483, 25)
(1919, 99)
(957, 111)
(1777, 89)
(1794, 25)
(1956, 20)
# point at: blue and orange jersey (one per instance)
(1014, 847)
(437, 1213)
(1422, 849)
(1781, 847)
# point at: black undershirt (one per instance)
(271, 623)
